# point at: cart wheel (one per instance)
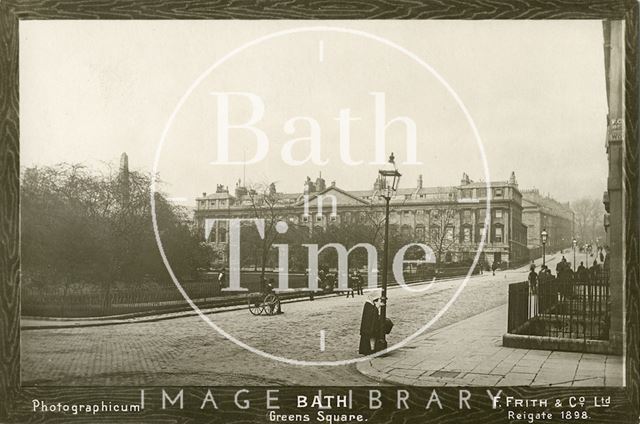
(270, 304)
(255, 305)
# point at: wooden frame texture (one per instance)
(15, 400)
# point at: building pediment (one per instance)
(342, 197)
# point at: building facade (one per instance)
(614, 196)
(418, 213)
(544, 213)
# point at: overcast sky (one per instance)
(90, 90)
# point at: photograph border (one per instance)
(15, 399)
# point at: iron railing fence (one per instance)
(43, 302)
(574, 309)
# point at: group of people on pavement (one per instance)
(327, 281)
(565, 274)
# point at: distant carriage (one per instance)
(263, 303)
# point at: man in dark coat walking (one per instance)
(370, 323)
(583, 273)
(357, 278)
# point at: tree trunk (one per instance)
(262, 269)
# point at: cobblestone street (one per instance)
(187, 351)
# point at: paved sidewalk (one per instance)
(470, 353)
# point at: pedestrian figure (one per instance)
(494, 266)
(351, 283)
(370, 323)
(358, 282)
(582, 273)
(321, 281)
(270, 290)
(221, 277)
(595, 271)
(533, 289)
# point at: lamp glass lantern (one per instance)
(543, 236)
(390, 179)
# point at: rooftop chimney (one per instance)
(320, 183)
(465, 179)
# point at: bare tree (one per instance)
(588, 218)
(267, 205)
(441, 234)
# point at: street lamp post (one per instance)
(543, 238)
(575, 242)
(390, 178)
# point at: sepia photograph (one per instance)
(357, 203)
(326, 212)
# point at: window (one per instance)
(479, 232)
(305, 218)
(466, 234)
(497, 234)
(222, 234)
(318, 218)
(434, 232)
(498, 192)
(448, 233)
(467, 214)
(420, 232)
(407, 196)
(482, 192)
(498, 213)
(332, 218)
(407, 213)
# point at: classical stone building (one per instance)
(416, 212)
(544, 213)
